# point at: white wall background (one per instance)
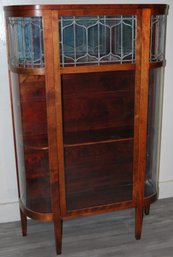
(8, 186)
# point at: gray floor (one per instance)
(108, 235)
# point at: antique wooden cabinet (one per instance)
(86, 90)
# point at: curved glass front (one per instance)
(30, 121)
(84, 40)
(154, 130)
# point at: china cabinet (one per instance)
(86, 91)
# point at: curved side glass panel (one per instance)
(96, 40)
(18, 135)
(26, 41)
(30, 120)
(157, 38)
(154, 130)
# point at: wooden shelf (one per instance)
(98, 196)
(96, 136)
(98, 142)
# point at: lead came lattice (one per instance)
(157, 38)
(97, 40)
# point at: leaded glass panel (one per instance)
(26, 41)
(157, 38)
(97, 39)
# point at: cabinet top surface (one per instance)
(162, 7)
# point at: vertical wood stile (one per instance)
(52, 129)
(141, 109)
(58, 103)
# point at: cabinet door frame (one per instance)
(141, 89)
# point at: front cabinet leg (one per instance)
(23, 219)
(138, 222)
(58, 235)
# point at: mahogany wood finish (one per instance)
(141, 102)
(155, 8)
(35, 71)
(86, 69)
(81, 132)
(23, 223)
(59, 107)
(52, 128)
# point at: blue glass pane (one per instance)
(26, 36)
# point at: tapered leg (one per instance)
(23, 219)
(138, 222)
(147, 209)
(58, 235)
